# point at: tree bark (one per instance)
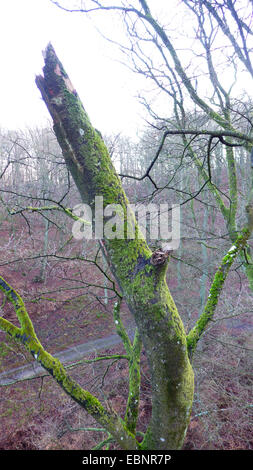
(143, 284)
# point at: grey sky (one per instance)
(106, 88)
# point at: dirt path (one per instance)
(69, 355)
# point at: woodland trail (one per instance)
(67, 356)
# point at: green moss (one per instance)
(143, 285)
(4, 350)
(215, 290)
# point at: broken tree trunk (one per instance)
(142, 283)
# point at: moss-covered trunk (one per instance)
(143, 283)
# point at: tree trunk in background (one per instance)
(42, 275)
(203, 279)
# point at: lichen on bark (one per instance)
(143, 286)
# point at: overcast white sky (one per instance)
(106, 88)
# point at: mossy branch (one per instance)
(218, 283)
(121, 329)
(133, 352)
(26, 335)
(26, 325)
(132, 408)
(66, 210)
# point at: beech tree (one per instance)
(141, 277)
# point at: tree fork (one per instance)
(143, 285)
